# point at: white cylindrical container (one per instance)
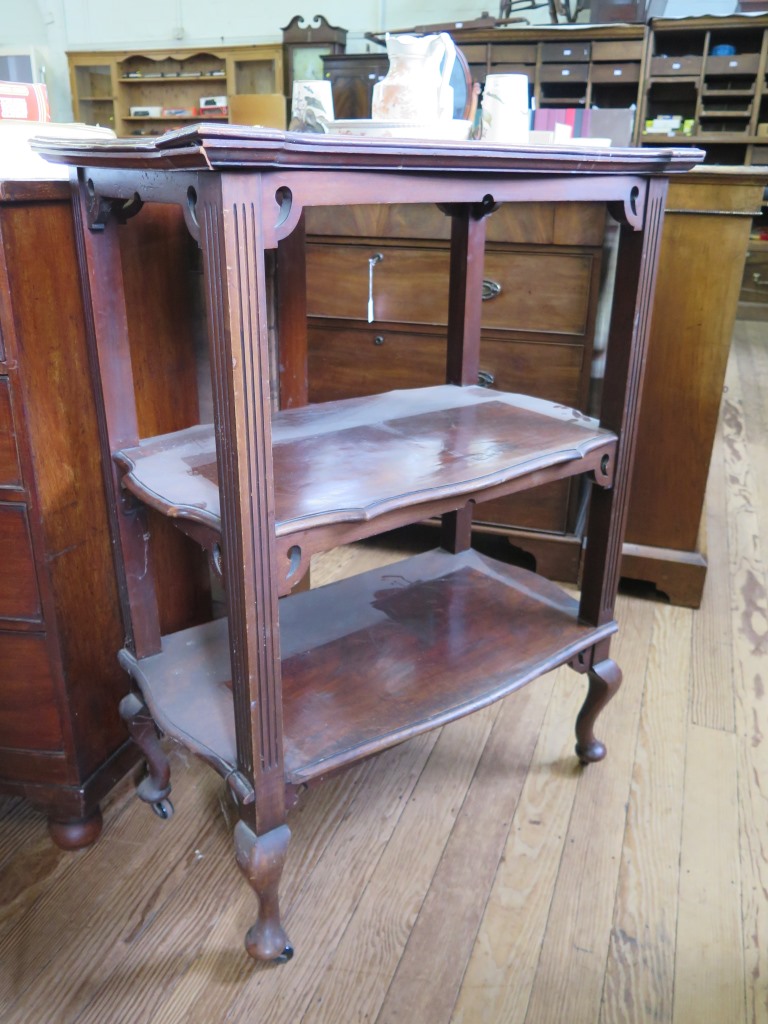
(505, 113)
(311, 105)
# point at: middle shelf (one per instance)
(346, 469)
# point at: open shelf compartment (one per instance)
(371, 661)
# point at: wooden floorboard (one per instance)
(474, 875)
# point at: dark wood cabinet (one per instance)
(62, 744)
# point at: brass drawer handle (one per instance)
(490, 289)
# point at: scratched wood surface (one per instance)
(475, 874)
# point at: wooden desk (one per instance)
(279, 694)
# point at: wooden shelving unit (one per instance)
(290, 687)
(724, 95)
(107, 85)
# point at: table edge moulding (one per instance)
(293, 686)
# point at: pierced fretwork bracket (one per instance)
(603, 473)
(101, 208)
(484, 208)
(630, 211)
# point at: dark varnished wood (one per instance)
(409, 630)
(74, 834)
(431, 639)
(177, 473)
(620, 404)
(63, 745)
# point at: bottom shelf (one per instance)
(373, 660)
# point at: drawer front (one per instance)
(619, 72)
(515, 69)
(541, 508)
(19, 594)
(349, 361)
(10, 470)
(617, 50)
(555, 53)
(29, 718)
(475, 53)
(345, 362)
(513, 53)
(736, 64)
(547, 292)
(564, 72)
(661, 66)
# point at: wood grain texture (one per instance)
(709, 958)
(571, 966)
(712, 696)
(173, 936)
(640, 968)
(745, 463)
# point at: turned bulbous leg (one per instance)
(604, 681)
(155, 787)
(74, 834)
(261, 859)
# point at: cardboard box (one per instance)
(21, 101)
(267, 109)
(212, 111)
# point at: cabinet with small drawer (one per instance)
(536, 336)
(62, 743)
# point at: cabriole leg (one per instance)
(155, 787)
(261, 859)
(604, 681)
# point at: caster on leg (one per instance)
(155, 787)
(261, 859)
(604, 681)
(163, 809)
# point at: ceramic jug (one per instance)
(417, 86)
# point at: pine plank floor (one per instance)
(475, 874)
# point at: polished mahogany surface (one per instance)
(410, 629)
(382, 453)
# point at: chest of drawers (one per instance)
(62, 744)
(540, 292)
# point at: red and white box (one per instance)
(21, 101)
